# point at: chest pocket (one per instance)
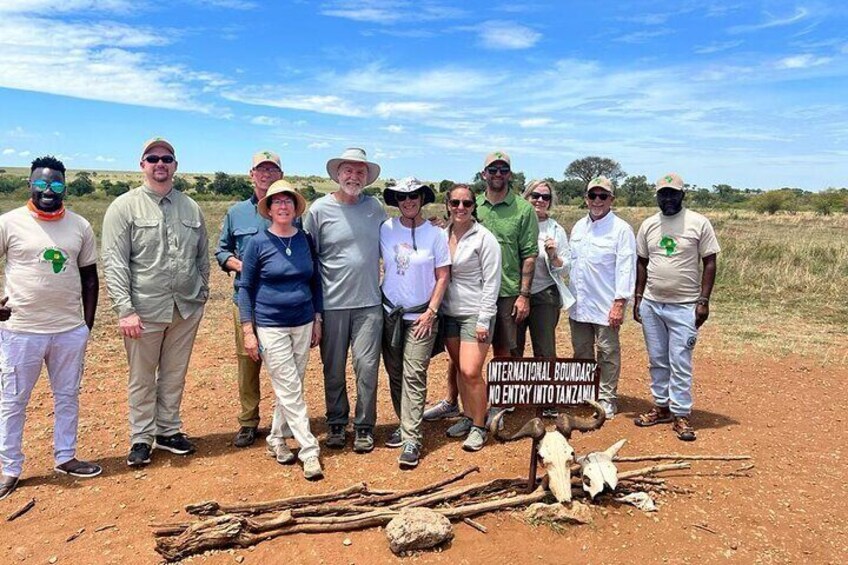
(242, 236)
(190, 233)
(146, 231)
(601, 252)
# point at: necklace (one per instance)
(288, 245)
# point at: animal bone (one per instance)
(553, 447)
(597, 469)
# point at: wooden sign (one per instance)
(537, 381)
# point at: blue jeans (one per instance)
(670, 337)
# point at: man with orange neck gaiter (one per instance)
(46, 314)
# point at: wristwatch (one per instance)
(702, 301)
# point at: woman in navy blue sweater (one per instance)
(280, 308)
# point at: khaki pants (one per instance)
(584, 337)
(248, 378)
(158, 362)
(407, 369)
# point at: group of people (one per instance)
(341, 275)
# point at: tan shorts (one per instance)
(465, 328)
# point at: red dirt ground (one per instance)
(787, 413)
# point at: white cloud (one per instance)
(642, 36)
(393, 128)
(102, 159)
(387, 12)
(435, 83)
(387, 109)
(266, 96)
(717, 47)
(800, 14)
(9, 151)
(802, 62)
(265, 121)
(507, 35)
(534, 122)
(24, 153)
(318, 145)
(45, 6)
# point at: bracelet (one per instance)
(702, 301)
(524, 293)
(434, 311)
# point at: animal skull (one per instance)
(556, 453)
(597, 469)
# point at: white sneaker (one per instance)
(610, 408)
(312, 469)
(476, 439)
(281, 453)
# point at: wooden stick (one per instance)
(21, 511)
(442, 496)
(705, 528)
(680, 457)
(105, 527)
(385, 498)
(476, 525)
(75, 535)
(210, 508)
(652, 470)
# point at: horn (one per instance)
(532, 428)
(563, 425)
(586, 424)
(612, 450)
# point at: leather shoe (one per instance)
(77, 468)
(8, 486)
(246, 436)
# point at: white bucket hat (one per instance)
(353, 155)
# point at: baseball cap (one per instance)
(496, 156)
(157, 142)
(266, 157)
(601, 182)
(671, 180)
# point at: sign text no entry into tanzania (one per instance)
(542, 381)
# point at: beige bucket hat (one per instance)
(354, 155)
(281, 187)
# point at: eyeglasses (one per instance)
(282, 202)
(455, 202)
(601, 195)
(400, 197)
(495, 169)
(153, 159)
(269, 170)
(43, 185)
(540, 196)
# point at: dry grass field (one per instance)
(769, 370)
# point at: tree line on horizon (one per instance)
(631, 190)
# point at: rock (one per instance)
(418, 528)
(347, 542)
(21, 553)
(577, 513)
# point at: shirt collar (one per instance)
(508, 199)
(603, 221)
(158, 198)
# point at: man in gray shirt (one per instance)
(156, 261)
(345, 226)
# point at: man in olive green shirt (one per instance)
(156, 262)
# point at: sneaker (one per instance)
(139, 455)
(656, 415)
(610, 408)
(246, 436)
(281, 453)
(8, 486)
(337, 437)
(177, 443)
(683, 428)
(364, 441)
(395, 440)
(461, 428)
(77, 468)
(476, 439)
(549, 413)
(441, 410)
(409, 456)
(312, 469)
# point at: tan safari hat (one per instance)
(281, 187)
(671, 180)
(353, 155)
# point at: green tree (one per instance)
(222, 184)
(310, 193)
(518, 181)
(588, 168)
(770, 202)
(569, 189)
(82, 184)
(10, 184)
(446, 185)
(201, 184)
(118, 188)
(181, 184)
(636, 191)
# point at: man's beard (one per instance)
(351, 190)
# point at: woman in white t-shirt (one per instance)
(416, 264)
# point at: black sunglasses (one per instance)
(153, 159)
(400, 197)
(540, 195)
(495, 169)
(594, 195)
(455, 202)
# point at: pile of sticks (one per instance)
(221, 526)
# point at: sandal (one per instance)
(683, 428)
(657, 415)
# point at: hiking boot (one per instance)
(77, 468)
(476, 439)
(281, 453)
(177, 443)
(336, 437)
(364, 441)
(461, 428)
(409, 456)
(656, 415)
(8, 486)
(312, 469)
(139, 455)
(246, 436)
(683, 428)
(441, 410)
(395, 440)
(610, 408)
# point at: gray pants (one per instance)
(584, 337)
(542, 322)
(407, 369)
(158, 363)
(359, 329)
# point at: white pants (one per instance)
(285, 352)
(670, 337)
(21, 358)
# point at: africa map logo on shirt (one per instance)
(56, 257)
(668, 243)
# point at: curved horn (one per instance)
(532, 428)
(563, 425)
(589, 424)
(612, 450)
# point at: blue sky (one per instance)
(752, 94)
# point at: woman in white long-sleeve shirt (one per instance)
(469, 309)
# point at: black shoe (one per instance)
(8, 486)
(364, 441)
(177, 443)
(246, 436)
(409, 456)
(77, 468)
(139, 455)
(337, 438)
(395, 440)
